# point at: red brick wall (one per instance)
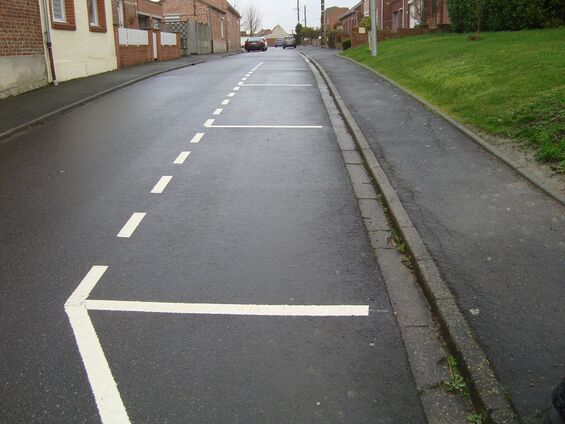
(20, 28)
(359, 39)
(167, 52)
(150, 8)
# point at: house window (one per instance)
(62, 14)
(96, 15)
(59, 11)
(93, 12)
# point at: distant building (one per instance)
(271, 35)
(223, 19)
(351, 19)
(332, 15)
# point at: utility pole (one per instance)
(323, 24)
(373, 35)
(305, 22)
(298, 9)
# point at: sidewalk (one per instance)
(24, 110)
(497, 239)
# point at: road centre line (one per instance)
(131, 225)
(225, 102)
(229, 309)
(197, 138)
(231, 94)
(218, 111)
(162, 184)
(108, 399)
(236, 88)
(209, 123)
(244, 79)
(181, 158)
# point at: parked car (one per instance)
(256, 43)
(279, 42)
(289, 41)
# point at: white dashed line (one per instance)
(276, 85)
(197, 138)
(230, 309)
(162, 184)
(131, 225)
(236, 88)
(231, 94)
(244, 79)
(225, 102)
(209, 123)
(181, 158)
(218, 111)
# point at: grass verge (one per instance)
(508, 84)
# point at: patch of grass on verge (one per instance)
(456, 383)
(508, 84)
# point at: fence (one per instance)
(195, 38)
(168, 39)
(133, 37)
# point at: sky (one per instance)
(283, 12)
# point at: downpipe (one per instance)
(48, 42)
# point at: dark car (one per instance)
(289, 42)
(255, 43)
(279, 42)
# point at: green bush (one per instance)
(346, 44)
(333, 35)
(504, 15)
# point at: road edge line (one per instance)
(486, 391)
(474, 136)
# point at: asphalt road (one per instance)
(498, 240)
(169, 306)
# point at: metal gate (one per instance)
(195, 38)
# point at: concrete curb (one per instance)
(476, 138)
(486, 392)
(57, 112)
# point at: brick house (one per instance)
(332, 15)
(223, 19)
(351, 19)
(22, 51)
(137, 33)
(406, 14)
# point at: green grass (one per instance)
(508, 84)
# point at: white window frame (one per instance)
(61, 3)
(93, 13)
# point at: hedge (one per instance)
(504, 15)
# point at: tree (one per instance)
(252, 18)
(299, 33)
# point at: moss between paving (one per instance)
(508, 84)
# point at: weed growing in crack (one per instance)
(456, 383)
(475, 418)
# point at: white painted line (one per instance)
(162, 184)
(276, 85)
(231, 94)
(108, 400)
(86, 285)
(267, 126)
(240, 83)
(225, 102)
(244, 79)
(218, 111)
(131, 225)
(181, 158)
(247, 75)
(208, 123)
(230, 309)
(236, 88)
(197, 138)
